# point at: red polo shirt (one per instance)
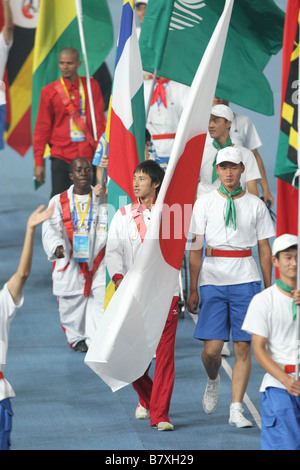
(53, 123)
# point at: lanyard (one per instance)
(81, 94)
(82, 216)
(230, 209)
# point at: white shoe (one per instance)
(236, 417)
(225, 350)
(141, 412)
(165, 426)
(211, 394)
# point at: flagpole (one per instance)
(151, 93)
(94, 233)
(88, 81)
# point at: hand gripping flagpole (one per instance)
(84, 54)
(94, 233)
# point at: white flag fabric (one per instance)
(128, 335)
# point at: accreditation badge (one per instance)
(81, 246)
(76, 134)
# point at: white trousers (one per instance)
(80, 316)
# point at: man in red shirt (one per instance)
(64, 122)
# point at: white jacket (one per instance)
(66, 275)
(124, 242)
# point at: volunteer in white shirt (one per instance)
(167, 104)
(244, 133)
(233, 222)
(271, 319)
(219, 129)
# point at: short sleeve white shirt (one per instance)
(205, 181)
(270, 315)
(8, 311)
(165, 119)
(253, 223)
(242, 132)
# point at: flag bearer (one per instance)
(233, 222)
(125, 238)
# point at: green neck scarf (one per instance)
(218, 147)
(287, 288)
(230, 209)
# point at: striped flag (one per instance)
(125, 130)
(58, 28)
(129, 332)
(19, 75)
(287, 151)
(127, 113)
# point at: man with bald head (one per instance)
(64, 121)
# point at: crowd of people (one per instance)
(229, 221)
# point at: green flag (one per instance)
(175, 35)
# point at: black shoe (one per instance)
(81, 346)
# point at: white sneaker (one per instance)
(141, 412)
(211, 394)
(236, 417)
(165, 426)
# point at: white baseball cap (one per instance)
(221, 110)
(283, 242)
(229, 154)
(140, 1)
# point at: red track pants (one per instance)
(156, 395)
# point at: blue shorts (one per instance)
(6, 415)
(223, 309)
(280, 420)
